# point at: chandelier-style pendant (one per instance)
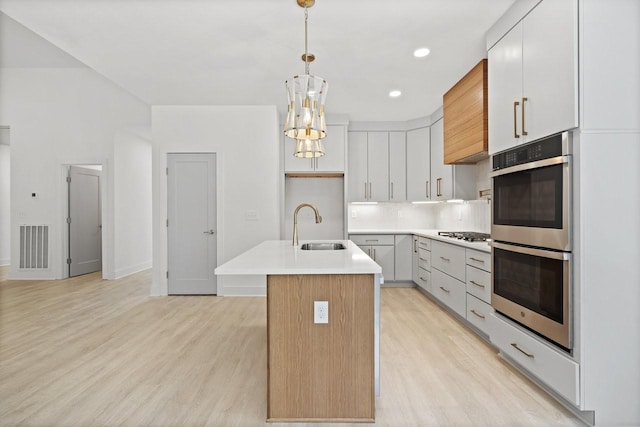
(306, 95)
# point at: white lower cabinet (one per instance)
(450, 291)
(478, 313)
(448, 258)
(479, 283)
(381, 249)
(415, 276)
(549, 365)
(422, 262)
(403, 257)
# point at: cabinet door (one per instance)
(378, 166)
(403, 257)
(384, 256)
(549, 68)
(505, 88)
(357, 172)
(441, 174)
(415, 274)
(418, 165)
(397, 167)
(333, 160)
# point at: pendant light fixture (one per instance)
(306, 94)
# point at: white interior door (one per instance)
(85, 222)
(191, 222)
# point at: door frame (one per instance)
(160, 284)
(107, 220)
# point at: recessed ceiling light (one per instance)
(395, 93)
(421, 52)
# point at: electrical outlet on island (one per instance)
(321, 312)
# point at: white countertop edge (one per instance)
(430, 233)
(273, 257)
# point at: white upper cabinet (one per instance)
(378, 165)
(376, 170)
(418, 165)
(448, 181)
(332, 161)
(533, 77)
(441, 174)
(397, 167)
(358, 181)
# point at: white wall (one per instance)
(5, 223)
(607, 187)
(132, 153)
(61, 116)
(245, 139)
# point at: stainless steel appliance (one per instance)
(533, 287)
(469, 236)
(531, 194)
(532, 239)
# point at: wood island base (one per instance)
(320, 372)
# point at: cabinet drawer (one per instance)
(424, 279)
(424, 243)
(479, 259)
(478, 313)
(479, 283)
(450, 291)
(549, 365)
(449, 259)
(372, 239)
(424, 259)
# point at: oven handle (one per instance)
(533, 165)
(562, 256)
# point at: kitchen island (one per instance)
(318, 371)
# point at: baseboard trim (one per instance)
(4, 262)
(244, 291)
(132, 270)
(31, 275)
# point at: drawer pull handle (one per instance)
(529, 355)
(477, 284)
(371, 240)
(423, 279)
(444, 289)
(477, 260)
(445, 259)
(479, 315)
(422, 259)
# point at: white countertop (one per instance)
(431, 234)
(281, 257)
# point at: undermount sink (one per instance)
(322, 246)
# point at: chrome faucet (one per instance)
(295, 220)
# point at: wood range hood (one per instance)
(465, 112)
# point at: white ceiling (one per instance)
(239, 52)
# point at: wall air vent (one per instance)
(34, 247)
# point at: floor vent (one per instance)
(34, 247)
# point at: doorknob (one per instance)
(209, 232)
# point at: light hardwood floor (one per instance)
(87, 351)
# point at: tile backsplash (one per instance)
(474, 215)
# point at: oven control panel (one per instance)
(538, 150)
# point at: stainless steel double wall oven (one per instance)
(532, 237)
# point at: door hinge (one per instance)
(68, 220)
(167, 222)
(167, 274)
(167, 170)
(68, 260)
(68, 179)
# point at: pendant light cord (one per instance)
(306, 50)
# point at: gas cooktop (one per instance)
(469, 236)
